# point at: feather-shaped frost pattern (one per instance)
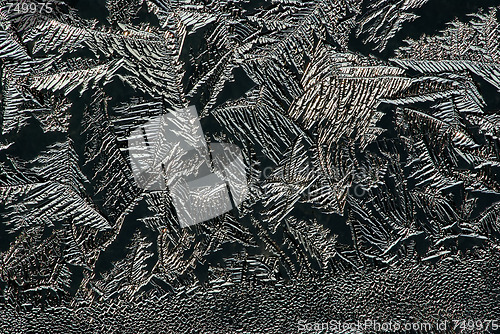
(185, 166)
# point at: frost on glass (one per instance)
(240, 166)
